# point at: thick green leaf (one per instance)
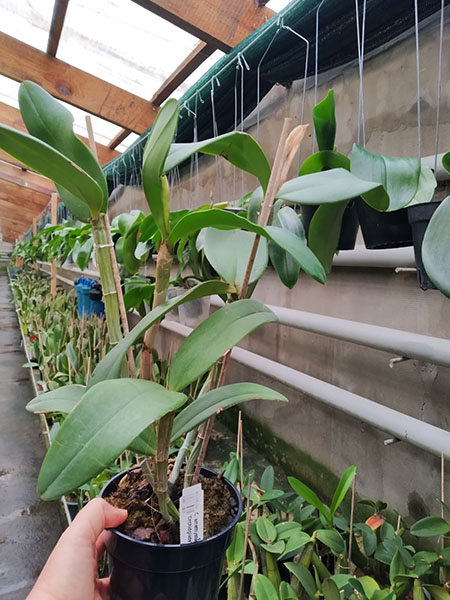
(217, 400)
(144, 443)
(110, 366)
(304, 576)
(323, 161)
(213, 337)
(155, 153)
(333, 539)
(220, 219)
(295, 542)
(370, 586)
(78, 207)
(287, 268)
(288, 593)
(426, 186)
(264, 588)
(397, 567)
(48, 120)
(330, 590)
(62, 400)
(267, 479)
(229, 251)
(324, 232)
(437, 592)
(436, 248)
(138, 294)
(49, 162)
(307, 494)
(430, 526)
(298, 249)
(99, 429)
(266, 530)
(276, 548)
(398, 176)
(238, 148)
(324, 119)
(84, 253)
(369, 538)
(328, 187)
(446, 161)
(235, 550)
(131, 263)
(342, 488)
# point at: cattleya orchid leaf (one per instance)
(101, 426)
(240, 149)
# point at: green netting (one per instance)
(281, 60)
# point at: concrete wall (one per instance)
(325, 440)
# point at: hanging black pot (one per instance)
(146, 571)
(419, 216)
(349, 229)
(384, 229)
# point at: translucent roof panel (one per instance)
(195, 76)
(277, 5)
(123, 43)
(27, 20)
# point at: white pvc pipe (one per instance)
(390, 258)
(395, 341)
(401, 426)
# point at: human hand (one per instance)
(70, 573)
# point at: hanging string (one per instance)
(215, 134)
(439, 81)
(419, 129)
(360, 41)
(241, 65)
(316, 67)
(305, 75)
(258, 80)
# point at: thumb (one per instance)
(96, 516)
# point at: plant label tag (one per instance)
(191, 514)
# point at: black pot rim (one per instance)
(204, 470)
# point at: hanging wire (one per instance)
(305, 76)
(241, 66)
(361, 40)
(419, 128)
(439, 81)
(215, 134)
(258, 79)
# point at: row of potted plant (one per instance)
(115, 412)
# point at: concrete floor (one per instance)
(29, 527)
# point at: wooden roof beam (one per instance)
(26, 179)
(9, 115)
(56, 26)
(21, 62)
(198, 55)
(223, 24)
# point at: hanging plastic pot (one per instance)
(349, 228)
(383, 230)
(145, 571)
(419, 216)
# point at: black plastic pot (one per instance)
(74, 508)
(145, 571)
(349, 229)
(382, 229)
(419, 216)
